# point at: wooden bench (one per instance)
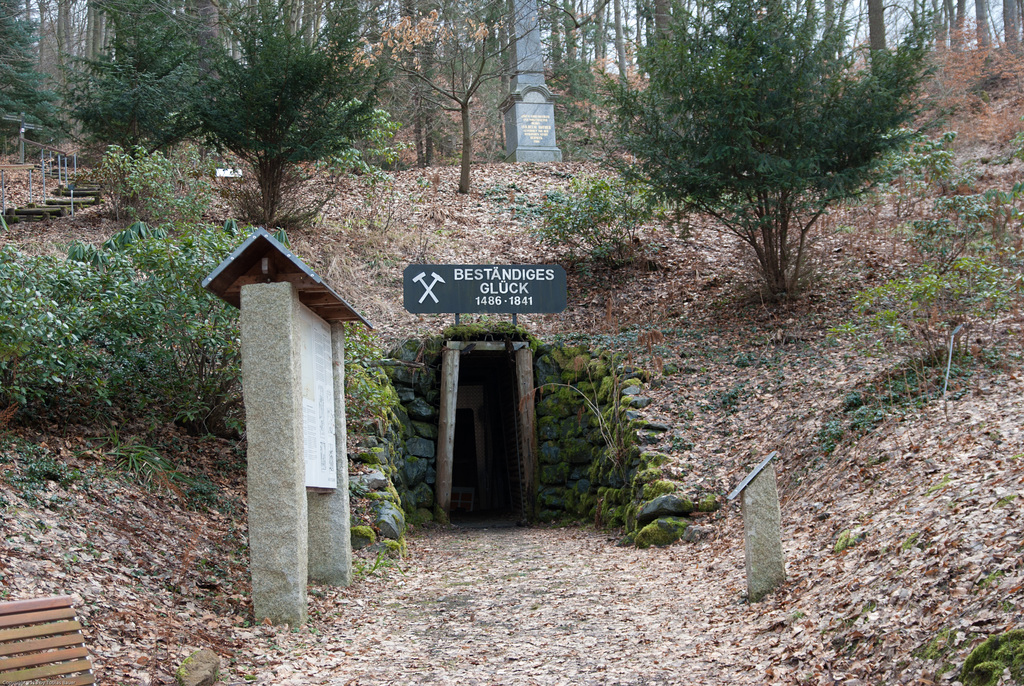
(41, 643)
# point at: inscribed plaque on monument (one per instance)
(317, 402)
(536, 124)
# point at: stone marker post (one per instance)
(762, 530)
(293, 354)
(276, 476)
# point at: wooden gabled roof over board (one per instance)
(263, 259)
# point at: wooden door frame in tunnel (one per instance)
(450, 355)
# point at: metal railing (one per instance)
(66, 165)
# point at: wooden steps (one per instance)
(85, 195)
(83, 201)
(16, 214)
(81, 191)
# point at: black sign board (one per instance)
(479, 288)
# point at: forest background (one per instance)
(887, 373)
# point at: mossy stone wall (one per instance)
(581, 476)
(416, 380)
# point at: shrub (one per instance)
(152, 188)
(125, 329)
(599, 218)
(924, 308)
(369, 395)
(762, 116)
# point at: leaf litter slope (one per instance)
(936, 500)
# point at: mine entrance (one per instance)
(490, 434)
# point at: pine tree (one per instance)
(22, 88)
(763, 118)
(286, 101)
(138, 92)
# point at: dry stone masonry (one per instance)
(590, 462)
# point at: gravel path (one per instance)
(532, 606)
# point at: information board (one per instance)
(480, 288)
(317, 402)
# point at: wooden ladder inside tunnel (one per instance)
(512, 438)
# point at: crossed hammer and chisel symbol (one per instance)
(428, 289)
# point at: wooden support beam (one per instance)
(527, 417)
(446, 427)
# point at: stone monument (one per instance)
(529, 109)
(293, 338)
(762, 530)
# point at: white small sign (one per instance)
(318, 402)
(223, 173)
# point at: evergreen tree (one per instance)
(139, 92)
(287, 100)
(22, 88)
(762, 117)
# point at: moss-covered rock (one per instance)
(606, 390)
(709, 503)
(547, 428)
(373, 457)
(362, 536)
(474, 331)
(661, 532)
(578, 452)
(554, 473)
(201, 668)
(440, 516)
(668, 505)
(986, 663)
(550, 453)
(423, 496)
(656, 489)
(426, 430)
(847, 539)
(552, 498)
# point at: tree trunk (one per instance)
(65, 46)
(555, 23)
(981, 12)
(1011, 27)
(958, 29)
(310, 21)
(876, 25)
(620, 42)
(269, 175)
(570, 32)
(45, 45)
(207, 34)
(467, 147)
(661, 18)
(950, 22)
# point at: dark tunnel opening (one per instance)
(487, 474)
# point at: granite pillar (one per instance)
(276, 488)
(762, 535)
(529, 110)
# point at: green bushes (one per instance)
(968, 270)
(122, 331)
(925, 307)
(598, 218)
(369, 395)
(150, 187)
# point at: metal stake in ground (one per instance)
(762, 531)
